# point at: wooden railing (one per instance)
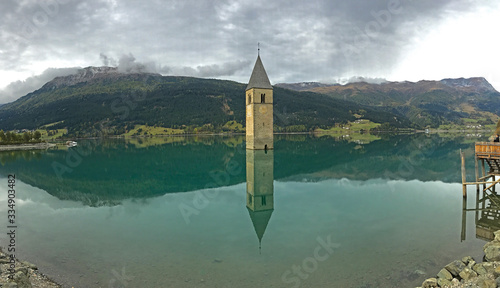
(488, 149)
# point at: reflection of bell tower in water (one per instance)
(260, 189)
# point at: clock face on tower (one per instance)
(262, 109)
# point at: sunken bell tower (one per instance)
(259, 109)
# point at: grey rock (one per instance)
(471, 264)
(496, 271)
(430, 283)
(445, 274)
(497, 236)
(467, 259)
(492, 251)
(467, 274)
(442, 282)
(22, 280)
(30, 265)
(22, 269)
(455, 267)
(486, 283)
(480, 269)
(489, 267)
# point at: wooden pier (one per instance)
(487, 158)
(486, 153)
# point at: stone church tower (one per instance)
(259, 110)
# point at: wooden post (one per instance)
(464, 219)
(464, 186)
(477, 173)
(477, 206)
(484, 173)
(493, 188)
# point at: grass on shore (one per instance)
(140, 130)
(350, 127)
(57, 133)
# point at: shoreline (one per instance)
(466, 272)
(25, 274)
(22, 147)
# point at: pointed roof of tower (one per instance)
(259, 77)
(260, 219)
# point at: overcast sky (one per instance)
(314, 40)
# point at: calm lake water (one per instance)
(204, 212)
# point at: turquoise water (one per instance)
(189, 212)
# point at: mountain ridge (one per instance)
(425, 103)
(99, 97)
(85, 101)
(90, 73)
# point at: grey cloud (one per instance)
(301, 40)
(107, 61)
(127, 64)
(356, 79)
(214, 70)
(226, 69)
(20, 88)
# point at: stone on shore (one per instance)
(22, 280)
(486, 283)
(29, 265)
(430, 283)
(467, 260)
(444, 274)
(467, 274)
(25, 275)
(497, 236)
(492, 251)
(480, 269)
(455, 267)
(443, 282)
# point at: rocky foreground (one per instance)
(467, 273)
(25, 275)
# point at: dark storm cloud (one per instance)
(300, 40)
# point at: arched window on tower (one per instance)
(249, 99)
(262, 98)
